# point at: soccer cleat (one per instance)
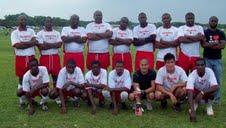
(22, 106)
(124, 106)
(149, 106)
(44, 107)
(111, 106)
(164, 104)
(75, 104)
(209, 109)
(101, 104)
(177, 107)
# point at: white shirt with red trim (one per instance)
(122, 34)
(115, 81)
(64, 77)
(168, 80)
(190, 49)
(29, 81)
(18, 36)
(99, 79)
(139, 32)
(73, 46)
(49, 37)
(166, 34)
(99, 46)
(201, 83)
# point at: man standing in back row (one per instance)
(144, 38)
(215, 43)
(98, 33)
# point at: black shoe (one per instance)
(101, 104)
(111, 106)
(124, 106)
(88, 103)
(164, 104)
(75, 104)
(177, 107)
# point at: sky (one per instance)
(113, 10)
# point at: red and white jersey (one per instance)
(168, 80)
(99, 79)
(64, 77)
(99, 46)
(122, 34)
(73, 46)
(190, 49)
(139, 32)
(29, 81)
(201, 83)
(18, 36)
(115, 81)
(166, 34)
(49, 37)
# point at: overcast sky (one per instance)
(114, 9)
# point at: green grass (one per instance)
(12, 117)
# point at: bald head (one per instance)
(98, 16)
(144, 66)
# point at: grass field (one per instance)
(12, 117)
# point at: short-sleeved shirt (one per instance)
(144, 81)
(115, 81)
(190, 49)
(166, 34)
(168, 80)
(29, 81)
(213, 36)
(18, 36)
(122, 34)
(201, 83)
(99, 46)
(139, 32)
(70, 32)
(64, 77)
(49, 37)
(99, 79)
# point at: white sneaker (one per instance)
(209, 109)
(149, 106)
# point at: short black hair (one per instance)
(169, 56)
(190, 13)
(95, 62)
(71, 62)
(33, 60)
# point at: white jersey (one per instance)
(166, 34)
(49, 37)
(190, 49)
(139, 32)
(201, 83)
(99, 46)
(122, 34)
(115, 81)
(100, 79)
(64, 77)
(168, 80)
(29, 81)
(73, 46)
(18, 36)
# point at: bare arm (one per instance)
(25, 45)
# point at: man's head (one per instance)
(48, 23)
(70, 66)
(74, 21)
(98, 16)
(142, 18)
(190, 19)
(22, 20)
(124, 23)
(213, 22)
(200, 66)
(144, 65)
(166, 19)
(33, 65)
(95, 67)
(119, 67)
(169, 60)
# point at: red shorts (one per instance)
(187, 63)
(141, 55)
(68, 94)
(103, 58)
(37, 93)
(22, 65)
(77, 57)
(52, 63)
(97, 93)
(117, 96)
(125, 57)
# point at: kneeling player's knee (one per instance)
(124, 96)
(106, 94)
(45, 91)
(53, 94)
